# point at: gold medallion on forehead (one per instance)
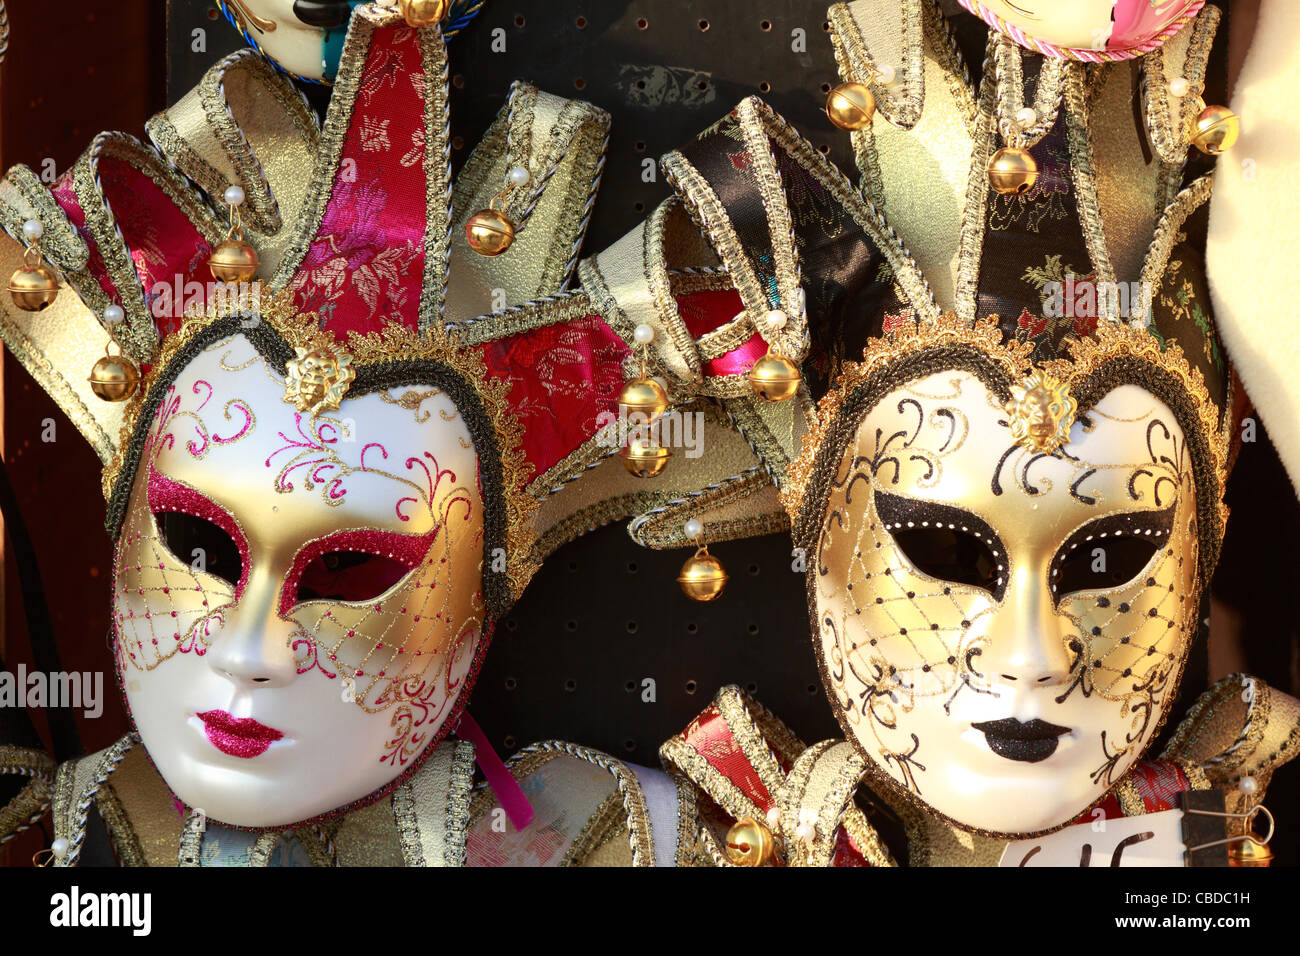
(318, 378)
(1041, 412)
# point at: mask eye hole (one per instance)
(200, 544)
(1109, 552)
(348, 576)
(944, 542)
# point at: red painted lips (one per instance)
(238, 736)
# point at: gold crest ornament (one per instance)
(1041, 412)
(491, 232)
(774, 378)
(318, 378)
(1215, 129)
(422, 13)
(645, 458)
(850, 106)
(114, 378)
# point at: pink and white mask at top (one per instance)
(297, 597)
(1086, 29)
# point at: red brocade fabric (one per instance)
(1158, 783)
(562, 377)
(711, 737)
(164, 244)
(704, 311)
(365, 268)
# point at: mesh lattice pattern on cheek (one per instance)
(402, 646)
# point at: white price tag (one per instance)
(1152, 839)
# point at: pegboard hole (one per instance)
(458, 142)
(824, 150)
(640, 84)
(765, 26)
(580, 83)
(571, 625)
(751, 688)
(765, 87)
(458, 81)
(570, 685)
(702, 85)
(629, 745)
(511, 683)
(633, 627)
(630, 686)
(692, 687)
(638, 206)
(643, 24)
(753, 629)
(573, 565)
(812, 690)
(511, 624)
(640, 144)
(580, 23)
(519, 20)
(704, 25)
(753, 569)
(692, 628)
(509, 742)
(214, 14)
(826, 26)
(632, 568)
(826, 87)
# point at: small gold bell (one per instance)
(644, 396)
(644, 458)
(1249, 853)
(850, 106)
(234, 261)
(750, 843)
(33, 288)
(1215, 130)
(774, 378)
(490, 232)
(422, 13)
(114, 378)
(702, 577)
(1012, 171)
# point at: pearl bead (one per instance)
(775, 319)
(234, 196)
(694, 528)
(773, 818)
(1027, 116)
(59, 848)
(114, 314)
(1248, 785)
(33, 230)
(643, 334)
(886, 74)
(805, 831)
(1179, 86)
(519, 176)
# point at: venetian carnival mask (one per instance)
(1086, 29)
(1008, 567)
(296, 592)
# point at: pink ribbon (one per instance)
(503, 783)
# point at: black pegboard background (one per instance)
(603, 615)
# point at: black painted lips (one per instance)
(1029, 741)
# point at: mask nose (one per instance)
(322, 13)
(1028, 642)
(254, 645)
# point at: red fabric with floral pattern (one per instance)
(710, 736)
(704, 311)
(365, 268)
(562, 377)
(1158, 783)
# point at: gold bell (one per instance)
(1249, 853)
(644, 396)
(702, 577)
(114, 378)
(422, 13)
(850, 106)
(1215, 130)
(33, 288)
(1012, 171)
(490, 232)
(750, 843)
(774, 378)
(645, 458)
(234, 261)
